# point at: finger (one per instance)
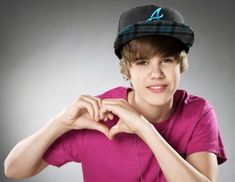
(95, 103)
(113, 131)
(82, 104)
(105, 117)
(111, 108)
(99, 102)
(102, 115)
(114, 101)
(110, 116)
(101, 128)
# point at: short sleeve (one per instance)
(206, 137)
(66, 148)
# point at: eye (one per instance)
(167, 60)
(141, 62)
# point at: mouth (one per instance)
(157, 88)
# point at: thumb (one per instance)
(101, 128)
(113, 131)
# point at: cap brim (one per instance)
(175, 30)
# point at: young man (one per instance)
(149, 132)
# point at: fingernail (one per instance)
(105, 118)
(111, 117)
(101, 116)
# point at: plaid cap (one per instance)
(151, 20)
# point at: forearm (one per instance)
(24, 158)
(174, 167)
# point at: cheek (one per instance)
(176, 75)
(136, 76)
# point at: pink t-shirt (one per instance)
(192, 128)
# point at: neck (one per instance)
(153, 113)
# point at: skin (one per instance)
(135, 117)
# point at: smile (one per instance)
(157, 88)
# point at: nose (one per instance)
(155, 71)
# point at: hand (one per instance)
(83, 113)
(130, 120)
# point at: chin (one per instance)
(160, 99)
(158, 103)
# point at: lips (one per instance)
(159, 88)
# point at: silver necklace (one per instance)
(139, 162)
(138, 153)
(130, 100)
(137, 145)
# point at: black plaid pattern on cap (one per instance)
(175, 28)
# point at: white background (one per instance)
(53, 51)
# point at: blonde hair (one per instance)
(147, 47)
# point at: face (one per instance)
(155, 80)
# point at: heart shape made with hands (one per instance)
(119, 128)
(123, 110)
(89, 112)
(97, 112)
(100, 125)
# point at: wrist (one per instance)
(144, 128)
(58, 127)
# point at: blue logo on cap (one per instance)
(156, 15)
